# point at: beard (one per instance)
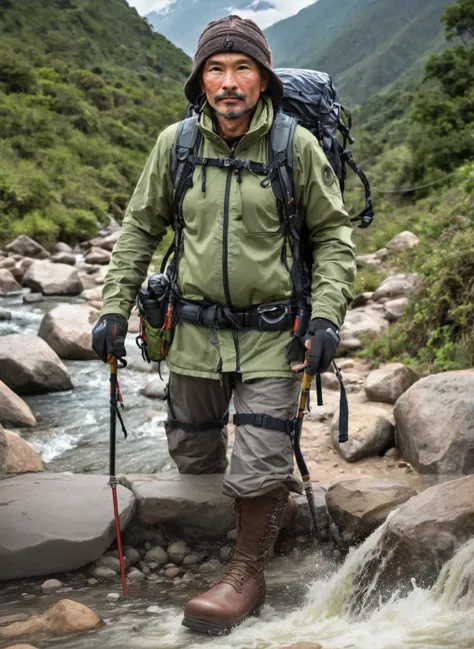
(233, 113)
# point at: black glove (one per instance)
(108, 336)
(324, 337)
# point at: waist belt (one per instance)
(263, 317)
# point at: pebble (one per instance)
(226, 553)
(132, 555)
(209, 566)
(152, 577)
(191, 560)
(157, 554)
(113, 597)
(146, 570)
(153, 565)
(177, 551)
(92, 582)
(148, 545)
(337, 554)
(169, 565)
(159, 539)
(171, 573)
(135, 575)
(109, 562)
(232, 535)
(103, 573)
(50, 584)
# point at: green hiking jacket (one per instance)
(232, 247)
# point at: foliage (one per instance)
(85, 88)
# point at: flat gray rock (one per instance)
(191, 504)
(56, 522)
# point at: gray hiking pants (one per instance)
(261, 459)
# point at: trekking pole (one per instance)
(115, 399)
(305, 476)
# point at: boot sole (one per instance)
(216, 629)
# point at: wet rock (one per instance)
(33, 298)
(209, 566)
(109, 562)
(27, 247)
(5, 315)
(152, 577)
(403, 241)
(191, 560)
(177, 551)
(232, 535)
(63, 618)
(52, 279)
(98, 256)
(8, 283)
(435, 423)
(92, 581)
(172, 573)
(113, 597)
(13, 410)
(22, 458)
(304, 520)
(359, 506)
(397, 286)
(35, 540)
(135, 575)
(371, 432)
(226, 552)
(417, 541)
(132, 555)
(28, 365)
(155, 389)
(62, 247)
(67, 329)
(104, 573)
(389, 382)
(50, 585)
(157, 555)
(64, 258)
(190, 505)
(394, 309)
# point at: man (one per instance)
(231, 256)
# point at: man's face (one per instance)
(232, 84)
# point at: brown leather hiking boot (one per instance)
(241, 592)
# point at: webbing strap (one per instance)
(198, 428)
(255, 167)
(366, 217)
(265, 421)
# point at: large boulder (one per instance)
(397, 286)
(28, 365)
(52, 279)
(64, 618)
(403, 241)
(3, 450)
(8, 283)
(435, 423)
(359, 506)
(371, 432)
(22, 458)
(389, 382)
(416, 542)
(67, 329)
(26, 247)
(57, 522)
(192, 506)
(13, 410)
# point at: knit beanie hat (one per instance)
(232, 34)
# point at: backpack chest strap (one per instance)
(258, 168)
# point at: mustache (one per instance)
(231, 94)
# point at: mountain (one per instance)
(366, 45)
(85, 88)
(182, 21)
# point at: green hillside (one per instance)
(85, 88)
(364, 44)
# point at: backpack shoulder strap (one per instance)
(280, 157)
(186, 143)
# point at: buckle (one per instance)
(227, 162)
(280, 311)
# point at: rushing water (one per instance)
(73, 427)
(306, 602)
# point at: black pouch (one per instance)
(154, 306)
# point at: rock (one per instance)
(109, 562)
(304, 520)
(361, 300)
(416, 542)
(7, 263)
(403, 241)
(350, 344)
(33, 298)
(192, 506)
(393, 453)
(363, 321)
(177, 551)
(389, 382)
(104, 573)
(435, 423)
(22, 458)
(8, 283)
(67, 329)
(371, 432)
(13, 410)
(50, 585)
(92, 294)
(359, 506)
(92, 581)
(367, 261)
(157, 555)
(232, 535)
(73, 531)
(225, 553)
(329, 381)
(3, 450)
(191, 560)
(98, 256)
(109, 242)
(26, 247)
(172, 573)
(5, 315)
(62, 247)
(381, 254)
(113, 597)
(64, 258)
(63, 618)
(155, 389)
(397, 286)
(209, 566)
(28, 365)
(132, 555)
(135, 575)
(393, 309)
(52, 279)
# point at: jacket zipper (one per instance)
(225, 260)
